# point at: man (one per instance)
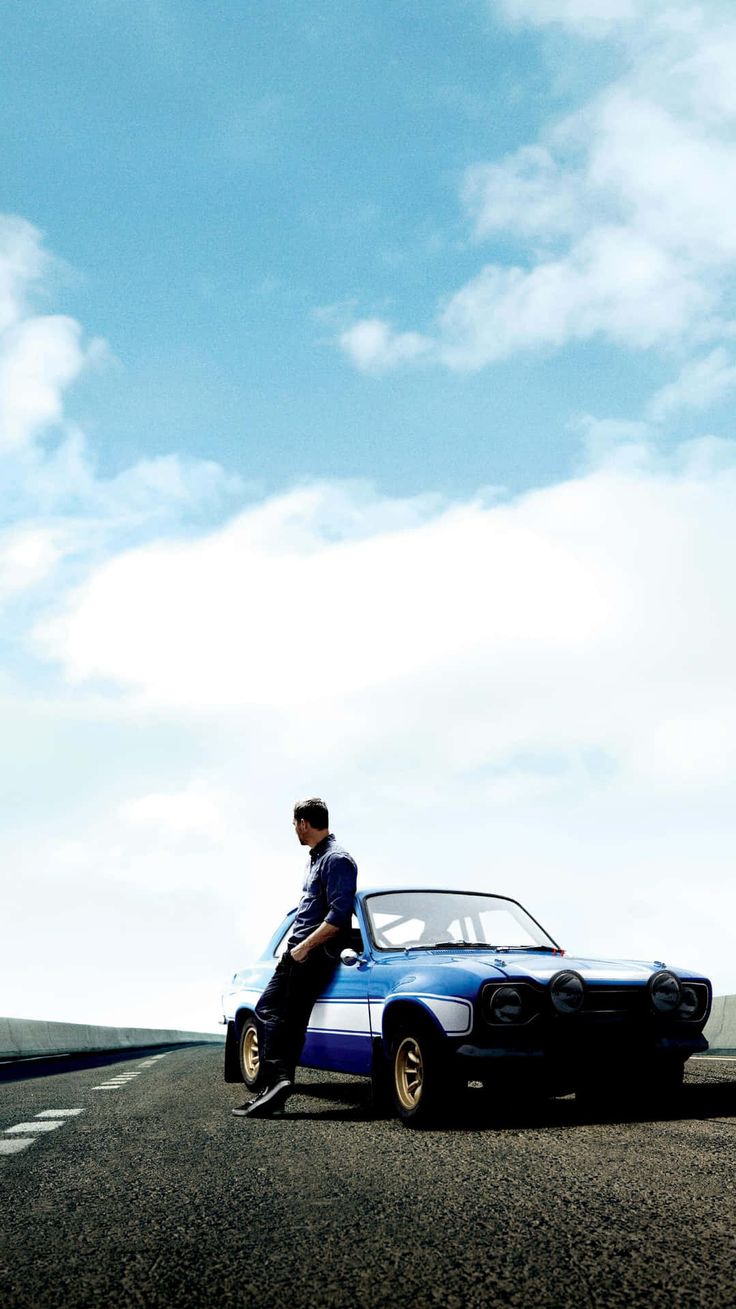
(318, 933)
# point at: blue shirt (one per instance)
(329, 890)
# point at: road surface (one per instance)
(140, 1189)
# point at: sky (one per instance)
(366, 430)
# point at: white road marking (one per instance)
(15, 1146)
(59, 1113)
(35, 1126)
(105, 1087)
(714, 1058)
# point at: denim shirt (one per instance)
(329, 890)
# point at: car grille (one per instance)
(615, 1000)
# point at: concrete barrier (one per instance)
(26, 1038)
(720, 1029)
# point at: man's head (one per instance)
(311, 821)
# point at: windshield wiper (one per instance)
(483, 945)
(459, 945)
(526, 949)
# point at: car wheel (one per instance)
(420, 1087)
(250, 1063)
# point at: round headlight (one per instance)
(689, 1003)
(506, 1005)
(665, 992)
(567, 991)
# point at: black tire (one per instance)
(420, 1085)
(250, 1065)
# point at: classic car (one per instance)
(439, 988)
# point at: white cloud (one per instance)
(575, 592)
(39, 359)
(624, 206)
(528, 193)
(591, 17)
(374, 346)
(27, 556)
(194, 812)
(49, 480)
(700, 383)
(614, 282)
(23, 263)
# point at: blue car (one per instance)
(438, 988)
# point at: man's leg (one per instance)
(272, 1015)
(283, 1013)
(308, 981)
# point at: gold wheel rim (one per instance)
(251, 1060)
(409, 1073)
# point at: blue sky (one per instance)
(215, 176)
(422, 315)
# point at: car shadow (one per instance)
(477, 1110)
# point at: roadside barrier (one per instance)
(720, 1029)
(28, 1038)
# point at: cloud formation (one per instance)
(596, 614)
(620, 215)
(544, 682)
(48, 471)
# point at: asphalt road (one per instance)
(155, 1195)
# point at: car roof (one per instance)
(449, 890)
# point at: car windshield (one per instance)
(405, 920)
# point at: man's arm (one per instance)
(318, 937)
(340, 877)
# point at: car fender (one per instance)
(448, 1016)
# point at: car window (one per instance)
(356, 936)
(401, 919)
(394, 929)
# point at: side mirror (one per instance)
(349, 957)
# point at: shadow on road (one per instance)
(20, 1070)
(478, 1111)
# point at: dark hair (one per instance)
(315, 812)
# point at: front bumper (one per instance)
(565, 1054)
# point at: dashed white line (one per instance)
(59, 1113)
(16, 1138)
(21, 1135)
(48, 1126)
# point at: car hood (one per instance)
(538, 967)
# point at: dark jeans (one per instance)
(284, 1008)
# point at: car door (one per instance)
(339, 1033)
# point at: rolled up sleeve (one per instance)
(340, 876)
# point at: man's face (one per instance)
(301, 827)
